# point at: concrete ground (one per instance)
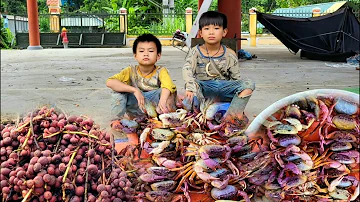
(33, 78)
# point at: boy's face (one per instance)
(146, 53)
(212, 34)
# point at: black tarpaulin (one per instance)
(333, 37)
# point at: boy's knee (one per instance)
(116, 96)
(248, 84)
(118, 103)
(245, 87)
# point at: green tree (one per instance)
(5, 36)
(181, 5)
(14, 6)
(95, 6)
(42, 7)
(3, 5)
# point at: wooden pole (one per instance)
(33, 20)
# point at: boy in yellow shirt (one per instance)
(135, 85)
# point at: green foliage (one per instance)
(167, 26)
(261, 5)
(96, 6)
(181, 5)
(13, 6)
(111, 22)
(44, 22)
(42, 7)
(245, 23)
(2, 6)
(6, 36)
(136, 30)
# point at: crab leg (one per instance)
(181, 173)
(178, 188)
(191, 178)
(183, 167)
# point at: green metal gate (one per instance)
(83, 30)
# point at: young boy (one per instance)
(212, 70)
(145, 82)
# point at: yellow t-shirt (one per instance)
(159, 78)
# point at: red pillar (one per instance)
(232, 10)
(33, 20)
(199, 3)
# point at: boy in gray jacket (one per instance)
(212, 70)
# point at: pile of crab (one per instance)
(308, 151)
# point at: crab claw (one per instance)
(144, 135)
(160, 148)
(353, 154)
(356, 193)
(211, 163)
(293, 168)
(162, 161)
(213, 127)
(221, 184)
(244, 195)
(337, 165)
(291, 149)
(149, 177)
(146, 146)
(206, 177)
(228, 153)
(271, 136)
(334, 183)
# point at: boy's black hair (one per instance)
(213, 18)
(147, 38)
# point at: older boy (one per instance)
(212, 70)
(135, 85)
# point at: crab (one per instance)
(157, 134)
(126, 126)
(162, 196)
(346, 157)
(208, 152)
(203, 138)
(339, 188)
(173, 119)
(344, 106)
(302, 160)
(229, 192)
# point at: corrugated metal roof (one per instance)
(306, 11)
(81, 21)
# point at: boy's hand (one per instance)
(140, 98)
(189, 95)
(162, 106)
